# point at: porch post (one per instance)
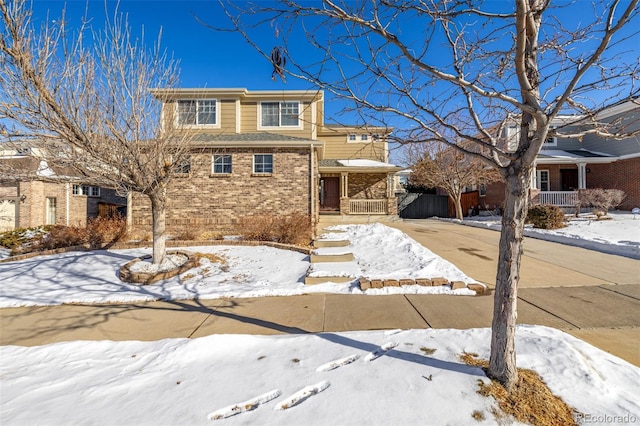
(344, 185)
(534, 176)
(582, 175)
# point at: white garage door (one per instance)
(7, 215)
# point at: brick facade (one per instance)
(621, 174)
(217, 202)
(367, 186)
(32, 198)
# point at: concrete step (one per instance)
(321, 280)
(344, 257)
(330, 243)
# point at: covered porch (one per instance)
(558, 176)
(356, 188)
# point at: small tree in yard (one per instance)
(453, 171)
(473, 69)
(85, 99)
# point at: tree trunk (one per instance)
(502, 363)
(158, 207)
(458, 205)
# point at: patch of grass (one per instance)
(427, 351)
(478, 415)
(212, 257)
(530, 401)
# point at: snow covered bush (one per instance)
(546, 216)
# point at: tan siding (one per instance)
(337, 147)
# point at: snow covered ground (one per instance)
(91, 277)
(411, 377)
(619, 235)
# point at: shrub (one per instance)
(545, 216)
(601, 199)
(105, 231)
(99, 232)
(292, 229)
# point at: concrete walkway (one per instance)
(593, 296)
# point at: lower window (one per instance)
(263, 163)
(222, 164)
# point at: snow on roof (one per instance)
(364, 163)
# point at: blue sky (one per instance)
(216, 59)
(208, 58)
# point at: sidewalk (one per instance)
(583, 311)
(593, 296)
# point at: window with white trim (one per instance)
(263, 163)
(551, 140)
(352, 137)
(88, 190)
(512, 135)
(197, 112)
(50, 212)
(222, 164)
(364, 137)
(280, 114)
(542, 180)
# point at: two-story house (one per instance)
(268, 152)
(565, 165)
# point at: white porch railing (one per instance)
(557, 198)
(367, 206)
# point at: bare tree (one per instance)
(453, 171)
(84, 99)
(470, 68)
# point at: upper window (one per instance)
(551, 140)
(364, 137)
(222, 164)
(198, 112)
(512, 135)
(352, 137)
(90, 191)
(263, 163)
(279, 114)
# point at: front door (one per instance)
(568, 179)
(330, 194)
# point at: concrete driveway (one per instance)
(544, 264)
(591, 295)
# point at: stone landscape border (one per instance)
(171, 243)
(127, 275)
(366, 284)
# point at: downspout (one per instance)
(312, 183)
(68, 197)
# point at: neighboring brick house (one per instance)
(566, 165)
(268, 152)
(45, 195)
